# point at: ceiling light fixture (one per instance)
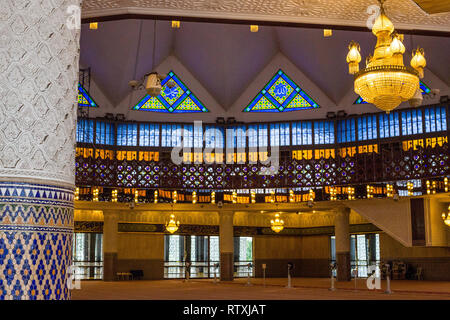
(277, 225)
(172, 226)
(386, 81)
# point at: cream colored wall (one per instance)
(141, 246)
(392, 249)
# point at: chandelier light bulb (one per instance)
(353, 57)
(418, 61)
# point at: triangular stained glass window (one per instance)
(423, 87)
(84, 99)
(281, 94)
(174, 98)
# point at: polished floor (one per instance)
(274, 289)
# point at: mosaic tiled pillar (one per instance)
(39, 47)
(226, 244)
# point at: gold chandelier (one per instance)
(172, 225)
(277, 225)
(446, 218)
(386, 81)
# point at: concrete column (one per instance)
(110, 244)
(38, 102)
(226, 244)
(342, 234)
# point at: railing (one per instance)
(241, 269)
(198, 269)
(85, 270)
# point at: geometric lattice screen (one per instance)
(174, 98)
(84, 99)
(423, 87)
(281, 94)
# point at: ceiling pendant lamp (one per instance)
(172, 225)
(277, 224)
(385, 81)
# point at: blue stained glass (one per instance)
(444, 118)
(389, 125)
(411, 122)
(281, 94)
(104, 133)
(149, 135)
(84, 99)
(175, 97)
(85, 131)
(214, 137)
(127, 134)
(262, 135)
(284, 134)
(188, 135)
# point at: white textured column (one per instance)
(342, 238)
(38, 96)
(110, 242)
(226, 244)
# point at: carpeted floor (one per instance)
(275, 289)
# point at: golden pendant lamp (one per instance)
(386, 82)
(277, 225)
(172, 226)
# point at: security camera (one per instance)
(435, 91)
(417, 99)
(220, 204)
(153, 84)
(134, 84)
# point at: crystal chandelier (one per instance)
(446, 218)
(277, 224)
(172, 225)
(386, 81)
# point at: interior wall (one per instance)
(310, 255)
(141, 251)
(434, 261)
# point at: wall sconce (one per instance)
(114, 195)
(254, 28)
(176, 24)
(446, 218)
(95, 194)
(327, 33)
